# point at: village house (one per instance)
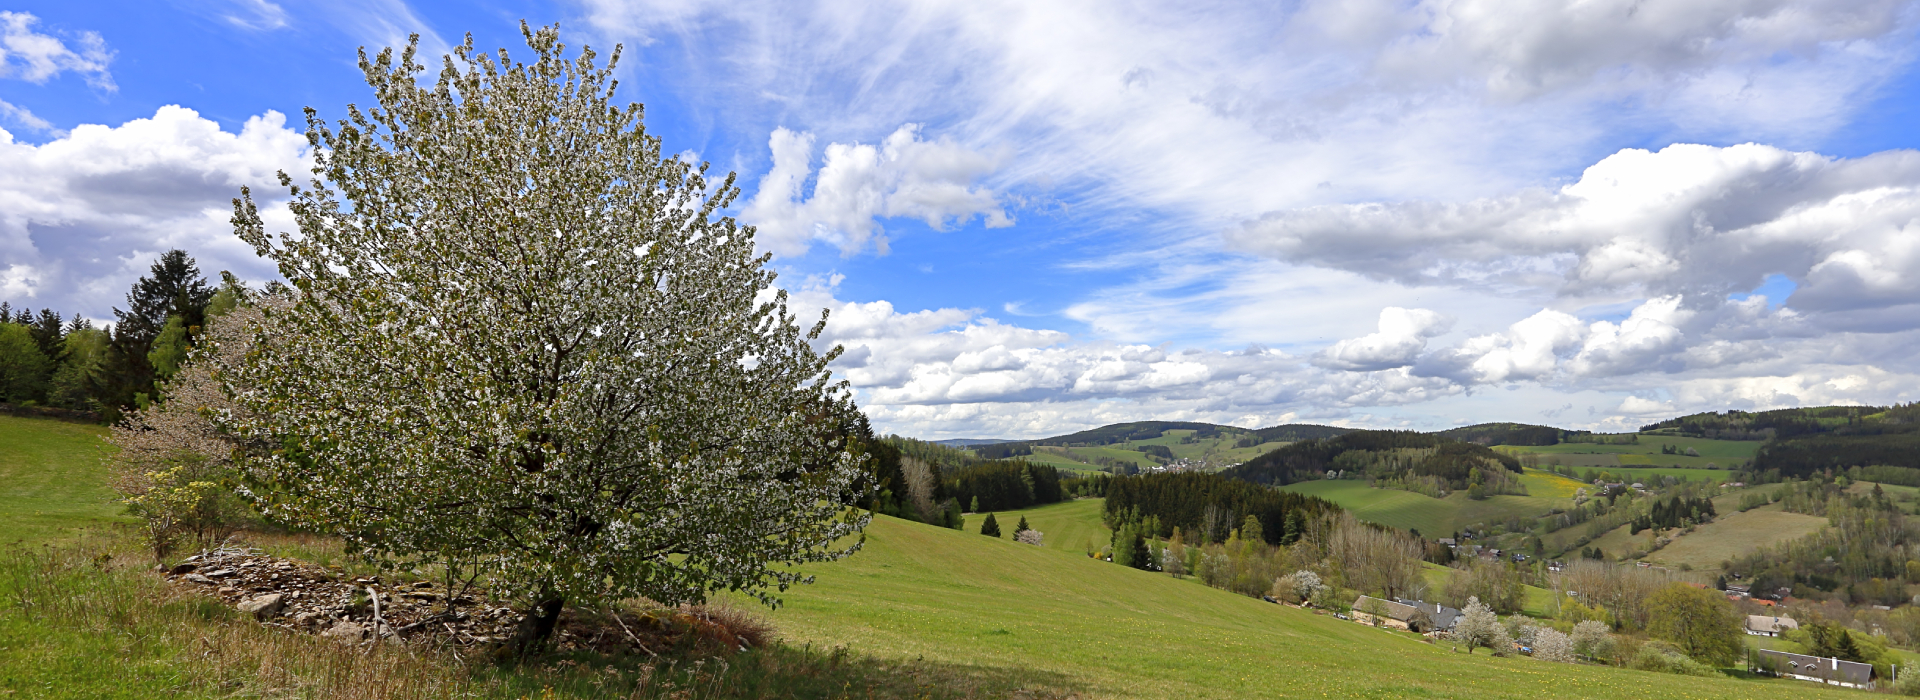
(1403, 614)
(1392, 614)
(1764, 626)
(1848, 674)
(1440, 617)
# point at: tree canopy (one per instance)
(524, 342)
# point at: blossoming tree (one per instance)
(525, 341)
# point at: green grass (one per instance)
(1724, 453)
(1102, 630)
(1064, 527)
(921, 611)
(1433, 517)
(53, 480)
(1735, 533)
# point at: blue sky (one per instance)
(1031, 218)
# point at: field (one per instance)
(921, 611)
(1723, 453)
(1218, 451)
(1065, 527)
(53, 480)
(1433, 517)
(1102, 630)
(1735, 533)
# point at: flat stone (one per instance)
(220, 573)
(344, 631)
(264, 607)
(196, 578)
(179, 569)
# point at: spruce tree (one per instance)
(1022, 527)
(990, 528)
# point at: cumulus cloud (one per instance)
(83, 216)
(976, 375)
(1403, 334)
(36, 58)
(858, 184)
(1685, 219)
(1519, 50)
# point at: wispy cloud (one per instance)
(35, 57)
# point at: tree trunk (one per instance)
(536, 627)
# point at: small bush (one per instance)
(1663, 658)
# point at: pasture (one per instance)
(53, 480)
(1735, 533)
(920, 611)
(1433, 517)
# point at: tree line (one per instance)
(1418, 461)
(65, 363)
(1005, 485)
(1207, 507)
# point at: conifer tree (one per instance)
(990, 527)
(1022, 527)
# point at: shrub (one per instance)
(1550, 645)
(1029, 536)
(1664, 658)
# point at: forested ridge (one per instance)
(1209, 506)
(1404, 457)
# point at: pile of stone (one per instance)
(337, 605)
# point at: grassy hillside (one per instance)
(1735, 533)
(1064, 527)
(1722, 453)
(1107, 631)
(1433, 517)
(942, 607)
(53, 479)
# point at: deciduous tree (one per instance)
(525, 342)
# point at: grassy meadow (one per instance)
(1734, 533)
(1721, 453)
(1065, 527)
(1434, 517)
(920, 611)
(1101, 630)
(53, 480)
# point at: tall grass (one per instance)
(89, 619)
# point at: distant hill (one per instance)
(1421, 462)
(1506, 434)
(1295, 432)
(1800, 441)
(969, 442)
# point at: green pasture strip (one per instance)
(1064, 527)
(1107, 631)
(1433, 517)
(53, 480)
(1734, 533)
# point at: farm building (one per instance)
(1413, 615)
(1765, 626)
(1849, 674)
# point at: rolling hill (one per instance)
(919, 597)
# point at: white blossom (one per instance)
(523, 340)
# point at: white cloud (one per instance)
(21, 116)
(1403, 334)
(859, 184)
(84, 215)
(37, 58)
(1686, 219)
(256, 15)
